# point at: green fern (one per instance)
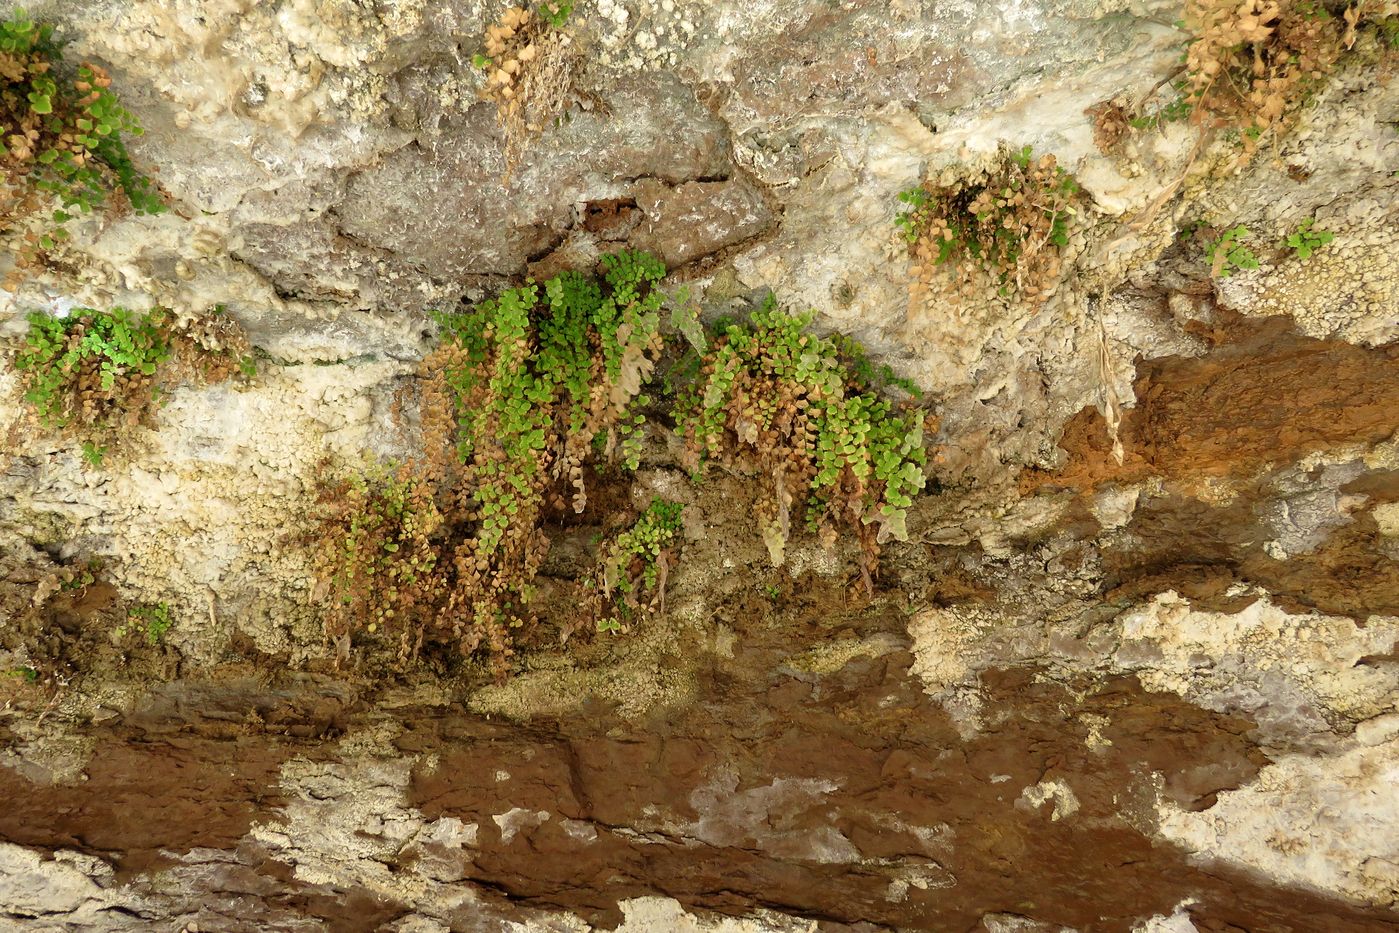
(64, 135)
(863, 456)
(118, 343)
(1305, 241)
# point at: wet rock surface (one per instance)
(1258, 454)
(848, 798)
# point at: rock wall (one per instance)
(1135, 670)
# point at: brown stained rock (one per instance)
(1269, 397)
(853, 799)
(1353, 573)
(696, 219)
(1201, 549)
(1243, 415)
(850, 798)
(142, 797)
(611, 220)
(191, 767)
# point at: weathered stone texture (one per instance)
(1135, 671)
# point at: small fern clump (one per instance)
(529, 59)
(636, 563)
(1250, 66)
(384, 566)
(94, 368)
(519, 398)
(101, 372)
(150, 620)
(790, 407)
(1229, 254)
(61, 134)
(536, 381)
(1000, 230)
(1304, 240)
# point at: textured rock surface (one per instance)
(1148, 692)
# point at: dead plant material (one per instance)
(999, 230)
(1251, 66)
(531, 66)
(1111, 125)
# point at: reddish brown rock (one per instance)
(1270, 396)
(849, 798)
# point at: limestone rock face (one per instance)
(1134, 670)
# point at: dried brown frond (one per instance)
(377, 549)
(1000, 230)
(207, 348)
(1111, 125)
(1252, 65)
(530, 67)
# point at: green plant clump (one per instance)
(636, 563)
(520, 397)
(1305, 241)
(62, 133)
(26, 673)
(152, 620)
(538, 379)
(94, 368)
(101, 372)
(556, 14)
(789, 406)
(1228, 254)
(81, 579)
(1001, 229)
(1389, 31)
(908, 221)
(383, 565)
(535, 387)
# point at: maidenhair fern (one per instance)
(636, 563)
(99, 373)
(523, 392)
(796, 410)
(61, 132)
